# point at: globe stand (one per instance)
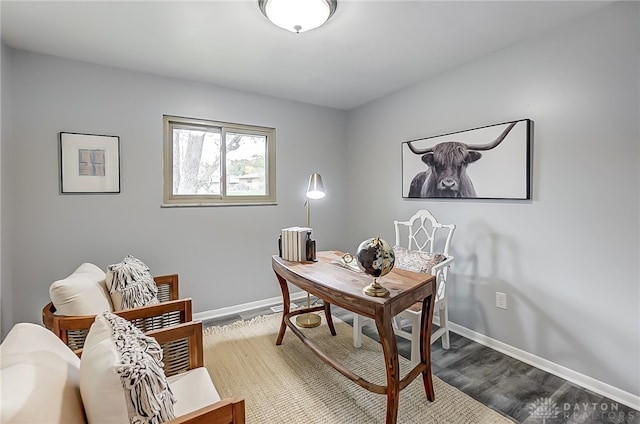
(375, 289)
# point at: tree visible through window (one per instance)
(202, 170)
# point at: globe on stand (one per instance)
(375, 257)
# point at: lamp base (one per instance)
(375, 289)
(308, 320)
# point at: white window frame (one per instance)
(172, 200)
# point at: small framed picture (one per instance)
(89, 163)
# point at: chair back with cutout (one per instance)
(425, 234)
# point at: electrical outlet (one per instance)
(501, 300)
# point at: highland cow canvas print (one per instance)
(492, 162)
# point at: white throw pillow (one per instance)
(130, 284)
(40, 378)
(81, 293)
(121, 375)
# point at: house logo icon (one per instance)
(543, 408)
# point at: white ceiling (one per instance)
(368, 49)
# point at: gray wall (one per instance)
(222, 254)
(568, 259)
(6, 310)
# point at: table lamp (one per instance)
(315, 191)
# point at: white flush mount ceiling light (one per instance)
(298, 15)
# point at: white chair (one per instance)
(424, 235)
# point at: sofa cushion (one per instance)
(193, 390)
(121, 375)
(81, 293)
(40, 378)
(130, 284)
(416, 261)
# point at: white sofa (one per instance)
(40, 378)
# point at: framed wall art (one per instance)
(492, 162)
(89, 163)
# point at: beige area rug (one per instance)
(290, 384)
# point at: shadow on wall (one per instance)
(464, 302)
(468, 294)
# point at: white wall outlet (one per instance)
(501, 300)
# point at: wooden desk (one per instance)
(342, 287)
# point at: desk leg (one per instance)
(327, 315)
(390, 349)
(286, 304)
(426, 322)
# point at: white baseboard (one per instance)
(582, 380)
(244, 307)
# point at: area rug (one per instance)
(289, 384)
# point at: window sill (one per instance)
(214, 205)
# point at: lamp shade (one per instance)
(298, 15)
(316, 188)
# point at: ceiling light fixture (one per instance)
(298, 15)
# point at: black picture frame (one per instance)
(89, 163)
(443, 166)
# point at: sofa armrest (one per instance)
(226, 411)
(174, 340)
(181, 346)
(167, 287)
(73, 329)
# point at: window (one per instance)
(215, 163)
